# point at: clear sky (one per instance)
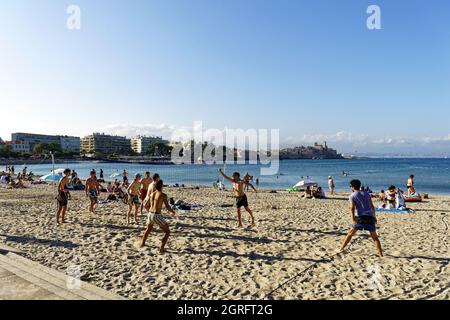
(309, 68)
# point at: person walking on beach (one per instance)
(410, 185)
(331, 184)
(151, 189)
(157, 199)
(363, 216)
(144, 188)
(62, 197)
(101, 175)
(92, 190)
(241, 197)
(134, 192)
(248, 178)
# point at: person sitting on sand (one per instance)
(134, 193)
(391, 196)
(62, 197)
(308, 193)
(92, 190)
(410, 186)
(319, 193)
(144, 188)
(241, 197)
(151, 189)
(363, 216)
(157, 199)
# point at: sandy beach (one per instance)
(208, 257)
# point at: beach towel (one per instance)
(395, 210)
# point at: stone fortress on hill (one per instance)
(316, 152)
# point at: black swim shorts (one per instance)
(62, 199)
(242, 201)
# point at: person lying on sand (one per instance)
(62, 197)
(151, 189)
(363, 216)
(157, 199)
(92, 190)
(241, 197)
(134, 192)
(144, 188)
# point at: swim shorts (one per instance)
(156, 218)
(143, 194)
(366, 223)
(242, 201)
(92, 194)
(133, 199)
(62, 199)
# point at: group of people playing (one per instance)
(146, 193)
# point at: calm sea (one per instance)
(432, 175)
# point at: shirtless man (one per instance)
(151, 189)
(144, 188)
(241, 197)
(247, 179)
(157, 199)
(92, 190)
(62, 197)
(134, 193)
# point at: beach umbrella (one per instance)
(51, 177)
(305, 183)
(58, 171)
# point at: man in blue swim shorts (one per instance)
(363, 215)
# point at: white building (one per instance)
(67, 143)
(140, 144)
(19, 146)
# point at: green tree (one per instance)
(159, 149)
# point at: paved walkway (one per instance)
(23, 279)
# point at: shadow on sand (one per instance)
(230, 237)
(250, 256)
(47, 242)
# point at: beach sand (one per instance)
(210, 258)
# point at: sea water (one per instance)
(431, 175)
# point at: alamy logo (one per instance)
(74, 19)
(374, 278)
(214, 146)
(73, 281)
(374, 20)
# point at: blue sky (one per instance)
(309, 68)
